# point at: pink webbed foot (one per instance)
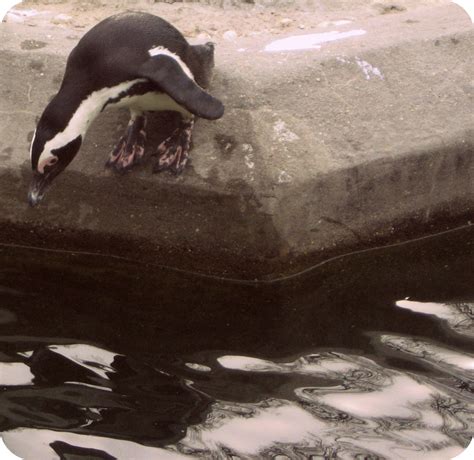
(173, 152)
(130, 148)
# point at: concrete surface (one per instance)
(365, 141)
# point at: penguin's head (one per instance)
(203, 63)
(52, 149)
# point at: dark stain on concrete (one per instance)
(226, 144)
(6, 152)
(452, 40)
(36, 64)
(462, 161)
(396, 176)
(32, 45)
(355, 144)
(390, 8)
(29, 136)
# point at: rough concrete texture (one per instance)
(365, 140)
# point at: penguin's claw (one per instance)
(173, 152)
(174, 158)
(124, 156)
(130, 149)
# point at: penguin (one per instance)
(130, 60)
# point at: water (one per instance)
(367, 356)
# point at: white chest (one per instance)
(151, 102)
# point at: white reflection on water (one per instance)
(15, 374)
(93, 358)
(459, 316)
(452, 361)
(328, 364)
(281, 423)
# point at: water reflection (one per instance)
(367, 357)
(375, 412)
(458, 316)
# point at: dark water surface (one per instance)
(368, 356)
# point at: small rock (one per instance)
(230, 35)
(285, 22)
(62, 19)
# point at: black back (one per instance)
(111, 51)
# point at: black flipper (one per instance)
(170, 77)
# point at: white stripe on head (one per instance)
(162, 51)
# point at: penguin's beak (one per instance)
(37, 188)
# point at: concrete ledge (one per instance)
(366, 140)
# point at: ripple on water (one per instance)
(369, 410)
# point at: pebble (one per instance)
(285, 22)
(61, 19)
(230, 35)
